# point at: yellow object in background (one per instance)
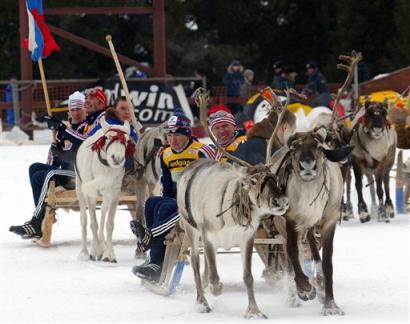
(392, 98)
(294, 107)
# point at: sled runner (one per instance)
(176, 257)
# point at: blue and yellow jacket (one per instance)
(173, 163)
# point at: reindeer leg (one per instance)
(200, 296)
(84, 254)
(327, 234)
(374, 207)
(305, 290)
(205, 274)
(389, 204)
(109, 255)
(347, 207)
(381, 212)
(362, 208)
(216, 286)
(101, 235)
(253, 310)
(318, 271)
(264, 251)
(95, 245)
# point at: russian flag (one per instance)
(40, 42)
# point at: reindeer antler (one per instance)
(281, 113)
(352, 62)
(201, 99)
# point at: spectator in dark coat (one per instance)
(277, 75)
(316, 87)
(288, 80)
(233, 79)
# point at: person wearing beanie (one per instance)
(76, 109)
(222, 124)
(95, 105)
(60, 166)
(161, 213)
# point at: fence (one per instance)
(59, 90)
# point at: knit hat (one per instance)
(76, 101)
(221, 117)
(179, 123)
(99, 94)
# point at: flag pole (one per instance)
(134, 123)
(46, 97)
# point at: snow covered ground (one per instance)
(371, 271)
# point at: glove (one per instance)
(55, 152)
(52, 122)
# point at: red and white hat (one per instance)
(220, 115)
(97, 93)
(76, 101)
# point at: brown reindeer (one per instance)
(374, 153)
(314, 188)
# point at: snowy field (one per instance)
(371, 271)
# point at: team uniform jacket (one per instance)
(173, 163)
(92, 121)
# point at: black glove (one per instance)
(55, 152)
(52, 122)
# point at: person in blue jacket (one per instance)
(161, 213)
(60, 168)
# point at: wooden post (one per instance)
(46, 97)
(399, 184)
(49, 218)
(137, 126)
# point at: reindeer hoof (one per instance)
(93, 258)
(271, 276)
(106, 259)
(347, 212)
(217, 289)
(390, 211)
(254, 312)
(364, 219)
(204, 308)
(332, 309)
(307, 294)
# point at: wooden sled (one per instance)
(176, 257)
(58, 197)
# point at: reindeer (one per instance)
(374, 153)
(148, 169)
(339, 136)
(223, 204)
(99, 171)
(314, 187)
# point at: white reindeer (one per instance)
(224, 204)
(99, 172)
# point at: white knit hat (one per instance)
(76, 100)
